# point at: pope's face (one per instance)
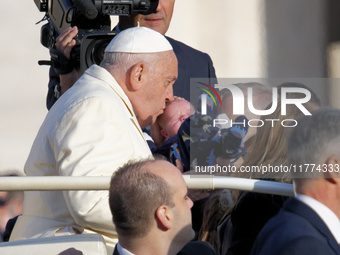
(158, 90)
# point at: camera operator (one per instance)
(191, 63)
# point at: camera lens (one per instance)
(98, 51)
(92, 49)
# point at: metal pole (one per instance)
(218, 182)
(31, 183)
(208, 182)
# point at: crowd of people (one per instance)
(131, 118)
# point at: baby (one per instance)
(179, 128)
(174, 114)
(165, 132)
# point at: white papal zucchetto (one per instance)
(139, 40)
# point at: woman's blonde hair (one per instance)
(268, 145)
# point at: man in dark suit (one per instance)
(309, 223)
(191, 62)
(151, 210)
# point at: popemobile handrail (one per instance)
(206, 182)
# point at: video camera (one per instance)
(92, 17)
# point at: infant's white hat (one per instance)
(139, 40)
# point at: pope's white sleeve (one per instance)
(92, 140)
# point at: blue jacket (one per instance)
(296, 229)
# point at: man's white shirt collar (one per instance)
(326, 214)
(123, 251)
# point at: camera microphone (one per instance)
(87, 8)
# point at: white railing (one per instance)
(207, 182)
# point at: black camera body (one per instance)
(92, 17)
